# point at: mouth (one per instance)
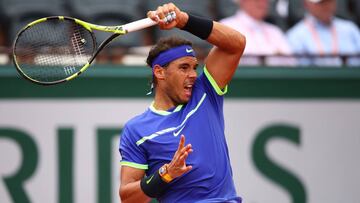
(188, 89)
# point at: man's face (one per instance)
(323, 11)
(180, 76)
(257, 9)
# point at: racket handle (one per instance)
(146, 22)
(139, 24)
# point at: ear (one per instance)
(159, 72)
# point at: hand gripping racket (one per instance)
(57, 49)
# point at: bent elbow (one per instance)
(241, 44)
(237, 43)
(122, 194)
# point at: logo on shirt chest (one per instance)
(177, 132)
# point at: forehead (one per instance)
(185, 60)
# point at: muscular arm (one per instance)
(224, 57)
(130, 190)
(229, 44)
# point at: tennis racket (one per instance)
(57, 49)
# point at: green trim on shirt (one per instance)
(134, 165)
(218, 90)
(162, 112)
(179, 128)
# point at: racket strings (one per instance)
(77, 42)
(53, 50)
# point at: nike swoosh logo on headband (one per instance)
(189, 50)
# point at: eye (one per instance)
(183, 68)
(195, 67)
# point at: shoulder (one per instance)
(136, 122)
(297, 29)
(273, 29)
(345, 24)
(206, 83)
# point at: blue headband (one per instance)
(172, 54)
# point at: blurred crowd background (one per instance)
(279, 32)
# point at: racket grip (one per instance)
(139, 24)
(146, 22)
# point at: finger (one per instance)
(179, 158)
(187, 169)
(169, 21)
(170, 24)
(169, 18)
(152, 15)
(176, 10)
(182, 159)
(166, 9)
(166, 26)
(182, 151)
(181, 142)
(171, 6)
(169, 11)
(185, 149)
(179, 149)
(184, 156)
(160, 12)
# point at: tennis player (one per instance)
(157, 161)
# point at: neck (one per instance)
(324, 21)
(163, 102)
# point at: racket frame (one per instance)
(116, 30)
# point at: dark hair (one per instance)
(163, 45)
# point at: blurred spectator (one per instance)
(3, 28)
(321, 33)
(4, 58)
(2, 36)
(262, 38)
(356, 10)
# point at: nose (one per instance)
(192, 73)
